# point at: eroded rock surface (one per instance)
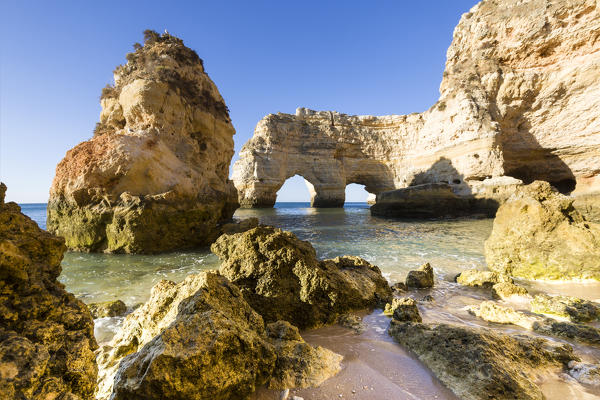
(282, 279)
(154, 177)
(478, 364)
(200, 339)
(538, 234)
(519, 98)
(46, 335)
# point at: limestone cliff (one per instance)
(155, 175)
(520, 96)
(46, 335)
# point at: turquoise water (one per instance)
(395, 246)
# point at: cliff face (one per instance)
(154, 176)
(46, 335)
(520, 96)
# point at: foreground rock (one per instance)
(539, 235)
(154, 176)
(299, 365)
(200, 339)
(403, 309)
(479, 364)
(281, 277)
(571, 308)
(519, 99)
(420, 278)
(46, 335)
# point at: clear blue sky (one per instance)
(356, 57)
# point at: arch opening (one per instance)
(357, 193)
(295, 189)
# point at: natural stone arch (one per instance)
(328, 162)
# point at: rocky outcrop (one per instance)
(200, 339)
(519, 98)
(282, 279)
(478, 364)
(571, 308)
(502, 286)
(538, 234)
(46, 335)
(420, 278)
(493, 312)
(154, 176)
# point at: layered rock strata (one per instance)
(154, 177)
(200, 339)
(46, 335)
(538, 234)
(282, 279)
(519, 98)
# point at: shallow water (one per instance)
(374, 366)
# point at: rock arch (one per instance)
(519, 97)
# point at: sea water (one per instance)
(374, 366)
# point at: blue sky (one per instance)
(356, 57)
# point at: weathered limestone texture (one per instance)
(478, 364)
(538, 234)
(282, 279)
(155, 175)
(46, 335)
(520, 97)
(200, 339)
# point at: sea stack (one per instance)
(154, 177)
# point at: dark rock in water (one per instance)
(46, 335)
(568, 330)
(572, 308)
(428, 200)
(428, 298)
(420, 278)
(399, 287)
(403, 309)
(114, 308)
(281, 277)
(538, 234)
(480, 364)
(352, 321)
(200, 339)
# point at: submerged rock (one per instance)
(538, 234)
(114, 308)
(154, 177)
(572, 308)
(352, 321)
(493, 312)
(281, 277)
(421, 277)
(298, 364)
(478, 364)
(200, 339)
(46, 335)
